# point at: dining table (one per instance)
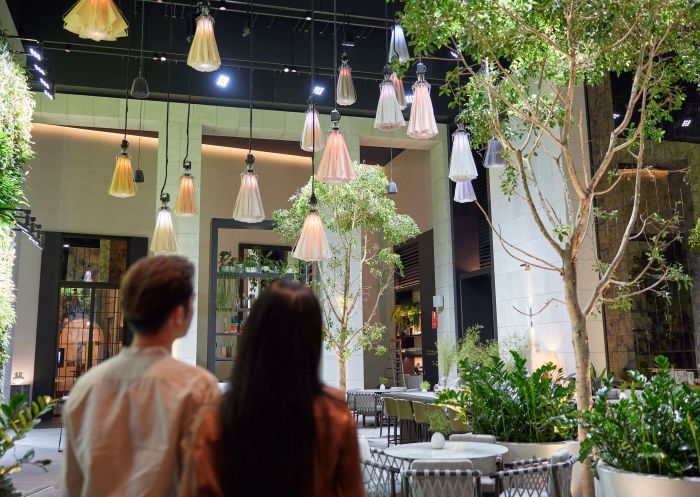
(482, 455)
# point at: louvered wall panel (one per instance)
(411, 267)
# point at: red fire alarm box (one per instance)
(435, 319)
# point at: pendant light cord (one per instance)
(189, 104)
(167, 106)
(313, 107)
(250, 82)
(386, 28)
(335, 56)
(143, 17)
(126, 85)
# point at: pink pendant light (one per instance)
(204, 54)
(345, 89)
(249, 206)
(494, 155)
(462, 166)
(389, 116)
(422, 125)
(97, 20)
(399, 91)
(336, 166)
(311, 136)
(464, 192)
(186, 203)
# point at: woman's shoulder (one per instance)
(207, 423)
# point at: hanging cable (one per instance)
(143, 17)
(313, 105)
(250, 82)
(335, 57)
(167, 107)
(189, 104)
(126, 82)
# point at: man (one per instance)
(126, 419)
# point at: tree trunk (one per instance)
(579, 333)
(342, 374)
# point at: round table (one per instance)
(473, 451)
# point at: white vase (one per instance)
(424, 390)
(437, 441)
(382, 387)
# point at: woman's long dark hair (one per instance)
(267, 417)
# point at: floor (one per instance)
(39, 482)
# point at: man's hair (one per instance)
(154, 287)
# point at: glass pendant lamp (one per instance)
(464, 192)
(389, 116)
(422, 125)
(186, 203)
(97, 20)
(204, 54)
(392, 188)
(163, 239)
(494, 154)
(139, 87)
(336, 166)
(462, 166)
(122, 185)
(399, 91)
(398, 47)
(345, 88)
(311, 136)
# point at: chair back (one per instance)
(473, 437)
(390, 407)
(420, 412)
(405, 411)
(365, 403)
(536, 477)
(380, 480)
(350, 395)
(441, 482)
(462, 464)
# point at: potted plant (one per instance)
(533, 414)
(440, 427)
(424, 386)
(648, 443)
(383, 382)
(17, 418)
(447, 357)
(406, 316)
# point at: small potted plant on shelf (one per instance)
(440, 427)
(383, 382)
(424, 386)
(647, 443)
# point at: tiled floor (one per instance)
(38, 482)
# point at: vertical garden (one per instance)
(16, 106)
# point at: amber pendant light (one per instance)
(204, 54)
(97, 20)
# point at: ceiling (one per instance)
(281, 37)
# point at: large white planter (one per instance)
(518, 451)
(613, 482)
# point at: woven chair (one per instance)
(380, 480)
(365, 405)
(427, 479)
(536, 477)
(391, 415)
(486, 465)
(406, 416)
(420, 415)
(382, 457)
(350, 396)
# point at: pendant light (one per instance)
(399, 91)
(464, 192)
(398, 48)
(122, 185)
(186, 203)
(139, 87)
(249, 206)
(345, 89)
(138, 174)
(335, 167)
(163, 239)
(97, 20)
(421, 125)
(462, 166)
(312, 244)
(392, 188)
(204, 54)
(311, 136)
(389, 116)
(494, 154)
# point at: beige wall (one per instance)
(67, 192)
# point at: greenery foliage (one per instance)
(514, 405)
(439, 422)
(406, 315)
(654, 431)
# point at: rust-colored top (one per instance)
(337, 472)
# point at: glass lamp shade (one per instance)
(422, 125)
(186, 203)
(335, 167)
(494, 154)
(399, 91)
(163, 239)
(139, 88)
(97, 20)
(389, 116)
(204, 54)
(313, 244)
(392, 188)
(398, 47)
(464, 192)
(462, 166)
(122, 185)
(249, 206)
(346, 88)
(311, 132)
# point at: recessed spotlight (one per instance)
(318, 90)
(409, 99)
(686, 123)
(222, 81)
(286, 69)
(34, 53)
(38, 69)
(616, 115)
(66, 245)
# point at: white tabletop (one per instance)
(452, 451)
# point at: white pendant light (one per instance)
(204, 54)
(398, 47)
(97, 20)
(462, 166)
(163, 239)
(464, 192)
(345, 88)
(311, 135)
(249, 207)
(336, 166)
(422, 125)
(389, 116)
(122, 185)
(494, 155)
(399, 91)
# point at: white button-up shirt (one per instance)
(127, 421)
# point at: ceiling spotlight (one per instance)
(155, 56)
(34, 53)
(348, 37)
(409, 99)
(163, 58)
(38, 69)
(293, 69)
(616, 115)
(686, 123)
(222, 5)
(308, 16)
(65, 245)
(67, 48)
(222, 81)
(318, 90)
(286, 69)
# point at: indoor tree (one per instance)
(364, 227)
(519, 64)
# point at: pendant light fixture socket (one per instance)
(187, 165)
(250, 160)
(125, 146)
(139, 88)
(335, 118)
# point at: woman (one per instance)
(277, 432)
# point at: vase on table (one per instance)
(437, 441)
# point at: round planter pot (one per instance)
(613, 482)
(519, 451)
(437, 441)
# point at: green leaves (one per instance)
(654, 431)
